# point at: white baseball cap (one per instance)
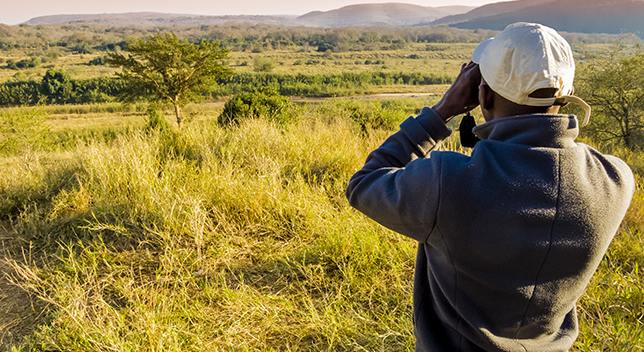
(526, 57)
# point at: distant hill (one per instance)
(580, 16)
(155, 19)
(575, 16)
(488, 10)
(388, 14)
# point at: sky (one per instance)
(15, 12)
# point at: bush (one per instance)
(98, 61)
(263, 64)
(156, 118)
(20, 93)
(28, 63)
(53, 55)
(57, 87)
(263, 103)
(83, 48)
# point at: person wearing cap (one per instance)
(510, 236)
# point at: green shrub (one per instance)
(20, 93)
(263, 64)
(156, 118)
(263, 103)
(98, 61)
(83, 48)
(29, 63)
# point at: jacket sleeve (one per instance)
(394, 191)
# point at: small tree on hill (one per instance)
(163, 68)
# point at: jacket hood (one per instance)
(534, 130)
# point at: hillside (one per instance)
(155, 19)
(489, 10)
(389, 14)
(581, 16)
(575, 16)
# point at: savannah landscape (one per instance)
(122, 231)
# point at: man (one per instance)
(510, 236)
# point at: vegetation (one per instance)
(250, 37)
(163, 68)
(612, 83)
(325, 85)
(57, 87)
(24, 63)
(120, 233)
(263, 102)
(236, 237)
(262, 64)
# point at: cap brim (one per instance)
(478, 52)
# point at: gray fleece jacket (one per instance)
(509, 237)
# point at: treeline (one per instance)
(323, 85)
(57, 88)
(248, 37)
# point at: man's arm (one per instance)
(401, 195)
(391, 189)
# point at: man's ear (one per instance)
(486, 97)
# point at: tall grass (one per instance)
(612, 309)
(209, 239)
(238, 239)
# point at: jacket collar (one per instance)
(534, 130)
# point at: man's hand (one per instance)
(463, 95)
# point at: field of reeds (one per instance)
(118, 237)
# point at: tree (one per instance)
(613, 84)
(163, 68)
(56, 85)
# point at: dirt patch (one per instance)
(19, 311)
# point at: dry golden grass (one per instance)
(236, 239)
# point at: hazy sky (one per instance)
(14, 12)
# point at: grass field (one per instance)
(227, 239)
(438, 58)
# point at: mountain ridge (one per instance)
(387, 14)
(394, 14)
(155, 19)
(574, 16)
(580, 16)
